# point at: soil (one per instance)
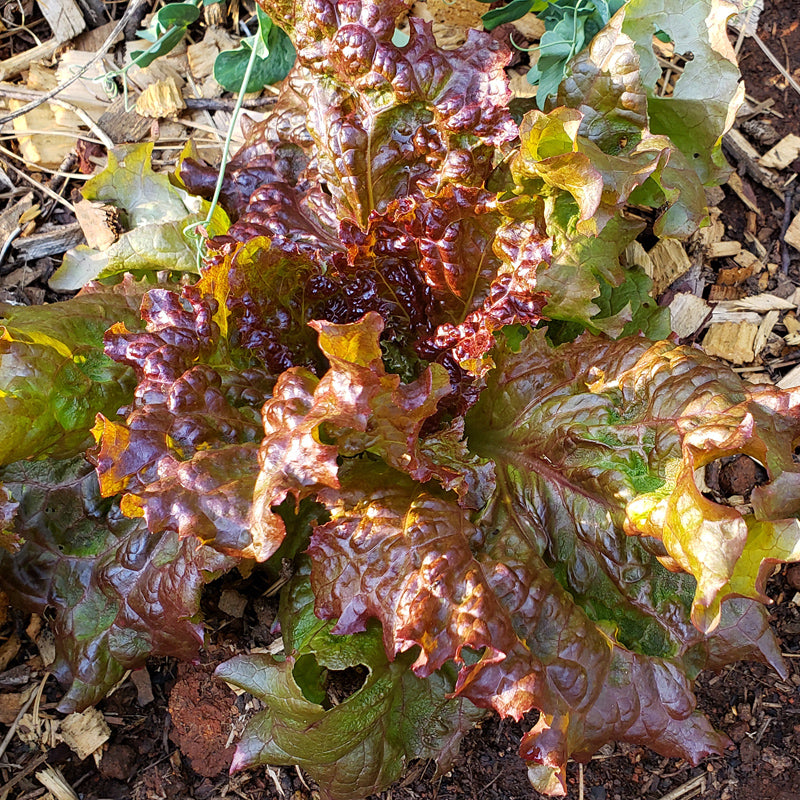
(172, 728)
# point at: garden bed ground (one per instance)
(172, 725)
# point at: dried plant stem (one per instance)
(42, 188)
(102, 50)
(777, 64)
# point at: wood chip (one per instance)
(9, 649)
(743, 192)
(782, 154)
(99, 222)
(85, 732)
(764, 331)
(46, 149)
(687, 313)
(666, 262)
(144, 687)
(732, 341)
(452, 19)
(202, 55)
(64, 18)
(91, 41)
(87, 92)
(793, 233)
(52, 779)
(791, 380)
(734, 276)
(11, 703)
(520, 85)
(161, 100)
(763, 303)
(746, 259)
(232, 603)
(530, 26)
(715, 230)
(726, 249)
(719, 293)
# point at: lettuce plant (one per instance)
(417, 368)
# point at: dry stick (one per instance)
(13, 729)
(777, 64)
(34, 764)
(684, 789)
(132, 8)
(788, 197)
(213, 104)
(42, 188)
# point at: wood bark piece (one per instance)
(749, 159)
(783, 153)
(49, 243)
(11, 67)
(122, 125)
(732, 341)
(64, 18)
(99, 222)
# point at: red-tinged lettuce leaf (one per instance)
(186, 456)
(118, 593)
(275, 150)
(411, 557)
(612, 434)
(54, 376)
(388, 120)
(362, 744)
(730, 553)
(356, 407)
(276, 283)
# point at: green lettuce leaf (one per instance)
(54, 375)
(362, 744)
(156, 216)
(708, 93)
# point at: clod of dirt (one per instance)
(119, 762)
(735, 476)
(793, 576)
(203, 713)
